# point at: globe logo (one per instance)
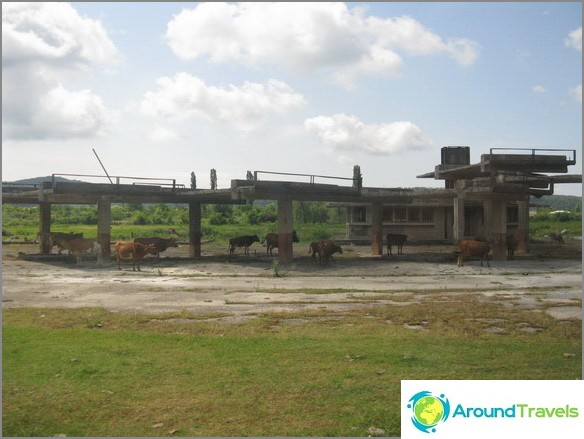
(428, 410)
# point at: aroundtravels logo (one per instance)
(457, 409)
(428, 410)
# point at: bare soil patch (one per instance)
(549, 279)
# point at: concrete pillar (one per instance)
(523, 227)
(104, 220)
(285, 223)
(195, 230)
(458, 226)
(376, 229)
(45, 228)
(495, 226)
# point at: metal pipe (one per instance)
(104, 170)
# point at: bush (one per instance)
(320, 233)
(556, 215)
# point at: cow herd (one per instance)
(134, 250)
(321, 251)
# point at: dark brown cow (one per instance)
(467, 247)
(78, 246)
(134, 251)
(326, 248)
(271, 240)
(395, 239)
(511, 243)
(242, 241)
(161, 244)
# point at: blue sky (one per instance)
(162, 89)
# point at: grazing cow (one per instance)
(468, 247)
(78, 246)
(395, 239)
(556, 238)
(326, 248)
(271, 240)
(511, 243)
(134, 251)
(161, 244)
(59, 238)
(242, 241)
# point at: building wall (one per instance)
(422, 223)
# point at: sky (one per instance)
(164, 89)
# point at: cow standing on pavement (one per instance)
(395, 239)
(134, 251)
(78, 246)
(242, 241)
(326, 249)
(467, 247)
(271, 240)
(60, 238)
(161, 244)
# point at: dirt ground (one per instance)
(240, 287)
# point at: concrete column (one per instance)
(523, 227)
(285, 223)
(45, 228)
(195, 230)
(376, 229)
(104, 220)
(458, 226)
(495, 221)
(487, 219)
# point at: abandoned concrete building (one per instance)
(489, 199)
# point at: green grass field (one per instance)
(89, 372)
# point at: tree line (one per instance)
(305, 212)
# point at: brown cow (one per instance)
(468, 247)
(58, 238)
(134, 251)
(326, 248)
(161, 244)
(78, 246)
(271, 240)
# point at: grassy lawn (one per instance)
(89, 372)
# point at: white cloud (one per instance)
(306, 37)
(43, 43)
(244, 108)
(574, 39)
(343, 132)
(576, 93)
(539, 89)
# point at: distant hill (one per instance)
(37, 180)
(561, 202)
